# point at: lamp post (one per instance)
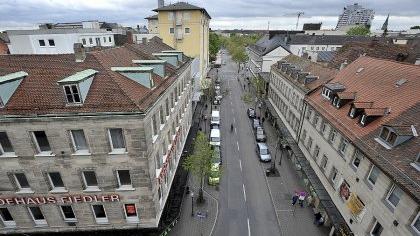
(192, 203)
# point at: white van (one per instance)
(215, 118)
(215, 137)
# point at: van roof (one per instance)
(215, 113)
(214, 132)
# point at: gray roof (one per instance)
(181, 6)
(329, 39)
(153, 17)
(267, 44)
(325, 56)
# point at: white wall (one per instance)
(273, 57)
(137, 38)
(299, 49)
(29, 44)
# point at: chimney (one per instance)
(138, 28)
(79, 52)
(130, 39)
(144, 40)
(344, 64)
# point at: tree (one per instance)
(358, 30)
(415, 27)
(200, 162)
(259, 86)
(215, 42)
(239, 56)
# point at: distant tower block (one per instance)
(161, 3)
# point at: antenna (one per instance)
(268, 27)
(298, 16)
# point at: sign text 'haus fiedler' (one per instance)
(67, 199)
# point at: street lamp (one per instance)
(192, 203)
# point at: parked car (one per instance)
(260, 135)
(216, 102)
(256, 123)
(263, 152)
(215, 137)
(217, 87)
(251, 113)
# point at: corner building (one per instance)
(91, 141)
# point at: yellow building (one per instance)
(185, 27)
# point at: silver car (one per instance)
(263, 152)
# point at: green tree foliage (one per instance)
(415, 27)
(358, 30)
(215, 43)
(200, 162)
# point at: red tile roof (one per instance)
(110, 91)
(376, 89)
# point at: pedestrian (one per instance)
(263, 119)
(318, 217)
(295, 198)
(244, 86)
(302, 196)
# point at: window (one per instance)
(6, 148)
(343, 146)
(84, 41)
(356, 159)
(376, 229)
(373, 175)
(7, 218)
(303, 136)
(105, 39)
(363, 120)
(116, 138)
(388, 136)
(158, 161)
(110, 39)
(68, 214)
(171, 30)
(162, 115)
(317, 48)
(167, 106)
(323, 127)
(394, 196)
(326, 93)
(309, 145)
(51, 42)
(100, 214)
(333, 177)
(78, 139)
(41, 42)
(333, 135)
(316, 118)
(336, 102)
(130, 211)
(90, 181)
(22, 183)
(90, 40)
(124, 180)
(37, 216)
(187, 30)
(416, 224)
(57, 184)
(324, 163)
(316, 151)
(41, 142)
(72, 93)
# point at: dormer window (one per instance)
(77, 86)
(416, 163)
(388, 136)
(72, 93)
(336, 102)
(326, 93)
(141, 75)
(8, 85)
(394, 135)
(352, 112)
(363, 120)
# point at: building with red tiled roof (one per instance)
(96, 135)
(360, 136)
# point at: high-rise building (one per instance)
(185, 27)
(355, 15)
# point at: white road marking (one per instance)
(240, 164)
(235, 130)
(231, 103)
(237, 145)
(249, 228)
(243, 187)
(234, 120)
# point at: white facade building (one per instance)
(354, 15)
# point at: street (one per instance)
(245, 207)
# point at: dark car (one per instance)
(260, 135)
(251, 113)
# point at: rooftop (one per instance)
(39, 93)
(376, 90)
(182, 6)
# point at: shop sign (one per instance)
(171, 154)
(68, 199)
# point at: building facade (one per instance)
(360, 137)
(185, 27)
(98, 147)
(354, 15)
(153, 24)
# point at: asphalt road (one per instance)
(245, 207)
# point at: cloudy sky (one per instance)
(226, 14)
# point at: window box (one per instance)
(56, 183)
(394, 196)
(124, 181)
(116, 139)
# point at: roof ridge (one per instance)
(390, 60)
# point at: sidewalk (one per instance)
(204, 219)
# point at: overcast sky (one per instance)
(226, 14)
